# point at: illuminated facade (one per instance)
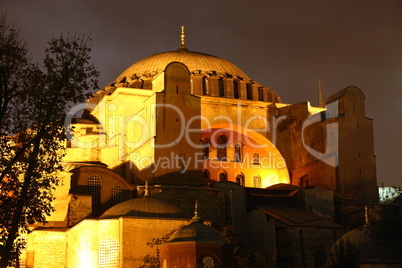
(195, 127)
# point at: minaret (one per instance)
(320, 99)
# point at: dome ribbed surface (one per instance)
(147, 207)
(197, 232)
(369, 251)
(194, 61)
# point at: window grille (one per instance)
(223, 176)
(117, 194)
(94, 188)
(257, 181)
(256, 159)
(109, 253)
(208, 262)
(320, 258)
(222, 147)
(240, 179)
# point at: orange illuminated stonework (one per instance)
(182, 126)
(245, 157)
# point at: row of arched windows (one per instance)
(94, 183)
(240, 178)
(222, 152)
(236, 89)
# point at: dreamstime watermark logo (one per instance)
(129, 133)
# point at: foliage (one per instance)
(345, 255)
(153, 261)
(388, 229)
(249, 258)
(33, 102)
(242, 256)
(150, 262)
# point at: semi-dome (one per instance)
(197, 232)
(196, 62)
(144, 207)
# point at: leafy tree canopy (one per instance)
(33, 102)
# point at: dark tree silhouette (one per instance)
(34, 99)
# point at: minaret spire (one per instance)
(320, 99)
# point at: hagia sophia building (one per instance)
(183, 144)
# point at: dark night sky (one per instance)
(285, 45)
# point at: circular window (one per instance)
(208, 262)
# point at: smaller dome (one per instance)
(283, 186)
(197, 232)
(146, 207)
(369, 251)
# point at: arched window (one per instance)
(204, 86)
(257, 181)
(208, 262)
(223, 176)
(221, 86)
(222, 147)
(117, 195)
(205, 148)
(320, 258)
(237, 152)
(261, 94)
(256, 159)
(164, 265)
(240, 179)
(304, 181)
(205, 174)
(109, 253)
(94, 188)
(249, 91)
(236, 93)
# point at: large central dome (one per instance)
(210, 76)
(195, 62)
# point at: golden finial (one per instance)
(366, 219)
(196, 217)
(182, 36)
(196, 208)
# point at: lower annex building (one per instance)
(194, 127)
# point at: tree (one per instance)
(244, 257)
(33, 103)
(387, 230)
(153, 261)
